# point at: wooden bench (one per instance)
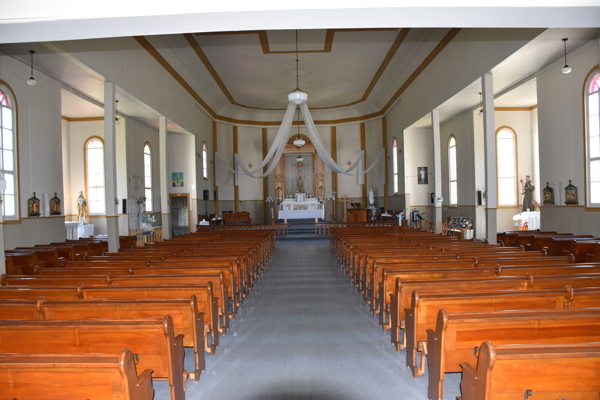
(458, 335)
(152, 341)
(425, 306)
(568, 371)
(73, 376)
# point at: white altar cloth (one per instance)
(301, 214)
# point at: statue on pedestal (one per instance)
(371, 197)
(300, 184)
(527, 189)
(81, 207)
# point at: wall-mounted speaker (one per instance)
(479, 198)
(215, 194)
(205, 192)
(124, 206)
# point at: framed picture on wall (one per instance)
(548, 195)
(422, 177)
(177, 179)
(571, 195)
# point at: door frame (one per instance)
(189, 208)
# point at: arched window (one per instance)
(592, 125)
(204, 161)
(148, 176)
(94, 175)
(395, 164)
(452, 171)
(8, 152)
(506, 156)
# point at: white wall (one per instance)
(40, 153)
(348, 145)
(561, 139)
(418, 152)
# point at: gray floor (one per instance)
(304, 333)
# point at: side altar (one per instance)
(301, 206)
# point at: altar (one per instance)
(301, 206)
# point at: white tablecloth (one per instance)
(300, 214)
(88, 230)
(74, 229)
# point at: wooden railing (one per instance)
(322, 228)
(281, 229)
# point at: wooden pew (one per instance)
(187, 321)
(152, 341)
(128, 280)
(21, 263)
(542, 371)
(425, 306)
(73, 376)
(48, 256)
(452, 343)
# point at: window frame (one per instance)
(204, 160)
(146, 187)
(395, 165)
(516, 168)
(85, 159)
(16, 219)
(452, 137)
(588, 205)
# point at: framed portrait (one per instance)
(571, 195)
(548, 194)
(422, 176)
(177, 179)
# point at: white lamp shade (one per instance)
(31, 81)
(299, 142)
(299, 159)
(297, 97)
(566, 69)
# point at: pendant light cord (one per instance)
(31, 52)
(297, 67)
(565, 42)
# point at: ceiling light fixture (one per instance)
(299, 159)
(481, 101)
(298, 97)
(117, 122)
(31, 81)
(566, 69)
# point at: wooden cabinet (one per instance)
(358, 215)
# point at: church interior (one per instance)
(354, 203)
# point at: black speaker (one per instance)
(479, 197)
(124, 206)
(205, 192)
(214, 194)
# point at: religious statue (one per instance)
(371, 197)
(321, 192)
(81, 207)
(279, 194)
(55, 205)
(300, 185)
(527, 189)
(33, 206)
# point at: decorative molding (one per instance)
(515, 108)
(165, 64)
(82, 119)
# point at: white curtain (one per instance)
(276, 151)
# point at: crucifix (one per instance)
(345, 201)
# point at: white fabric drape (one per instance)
(278, 147)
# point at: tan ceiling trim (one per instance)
(154, 53)
(533, 107)
(82, 119)
(437, 50)
(264, 41)
(513, 108)
(165, 64)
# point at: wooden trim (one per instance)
(214, 172)
(385, 160)
(363, 147)
(265, 150)
(585, 139)
(513, 108)
(236, 189)
(162, 61)
(533, 107)
(437, 50)
(334, 175)
(17, 219)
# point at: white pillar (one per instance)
(437, 170)
(110, 167)
(489, 138)
(165, 208)
(3, 266)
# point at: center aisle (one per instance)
(305, 333)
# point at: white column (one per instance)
(489, 138)
(437, 170)
(110, 167)
(3, 266)
(165, 208)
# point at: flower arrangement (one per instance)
(536, 205)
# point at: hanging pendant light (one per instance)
(31, 81)
(481, 101)
(299, 142)
(566, 69)
(297, 96)
(117, 122)
(299, 159)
